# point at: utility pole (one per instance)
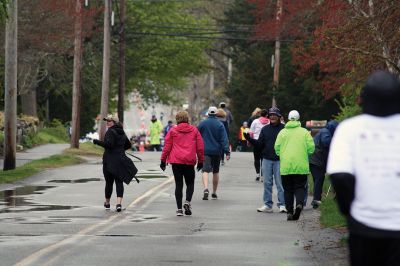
(76, 90)
(106, 69)
(122, 45)
(277, 56)
(10, 84)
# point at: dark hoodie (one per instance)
(322, 142)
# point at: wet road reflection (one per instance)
(17, 200)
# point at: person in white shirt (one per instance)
(364, 167)
(255, 130)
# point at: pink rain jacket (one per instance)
(182, 144)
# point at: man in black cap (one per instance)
(364, 164)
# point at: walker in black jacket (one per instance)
(117, 167)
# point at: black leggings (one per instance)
(183, 171)
(257, 158)
(110, 179)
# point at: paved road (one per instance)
(57, 218)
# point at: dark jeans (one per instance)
(183, 171)
(318, 175)
(370, 251)
(110, 179)
(257, 158)
(294, 186)
(156, 147)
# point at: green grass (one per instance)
(37, 166)
(87, 148)
(330, 214)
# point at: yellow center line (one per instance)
(73, 238)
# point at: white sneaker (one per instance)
(282, 209)
(265, 209)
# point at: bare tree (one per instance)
(10, 95)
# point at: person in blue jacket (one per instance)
(319, 158)
(215, 144)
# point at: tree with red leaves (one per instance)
(336, 41)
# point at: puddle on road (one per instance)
(16, 200)
(72, 181)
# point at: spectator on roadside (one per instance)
(364, 169)
(182, 144)
(117, 167)
(293, 146)
(215, 143)
(319, 159)
(242, 142)
(155, 131)
(270, 161)
(255, 130)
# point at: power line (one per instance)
(199, 37)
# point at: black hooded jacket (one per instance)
(115, 160)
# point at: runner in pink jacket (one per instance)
(182, 144)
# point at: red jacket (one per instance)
(182, 144)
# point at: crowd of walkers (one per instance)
(361, 155)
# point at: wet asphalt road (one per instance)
(57, 218)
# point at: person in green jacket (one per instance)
(155, 131)
(293, 146)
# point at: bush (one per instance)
(55, 133)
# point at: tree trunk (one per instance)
(28, 103)
(10, 95)
(76, 90)
(122, 45)
(106, 70)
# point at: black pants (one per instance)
(370, 251)
(183, 171)
(110, 179)
(294, 186)
(318, 175)
(257, 158)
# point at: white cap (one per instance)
(212, 110)
(294, 115)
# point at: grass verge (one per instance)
(37, 166)
(330, 214)
(86, 148)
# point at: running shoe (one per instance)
(179, 212)
(265, 209)
(119, 207)
(282, 209)
(297, 212)
(106, 206)
(188, 208)
(214, 196)
(205, 195)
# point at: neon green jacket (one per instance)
(155, 131)
(293, 146)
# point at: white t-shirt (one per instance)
(257, 125)
(369, 148)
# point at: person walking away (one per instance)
(293, 146)
(255, 130)
(319, 159)
(242, 142)
(270, 161)
(167, 128)
(215, 143)
(221, 116)
(254, 115)
(182, 144)
(229, 116)
(155, 131)
(116, 165)
(364, 169)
